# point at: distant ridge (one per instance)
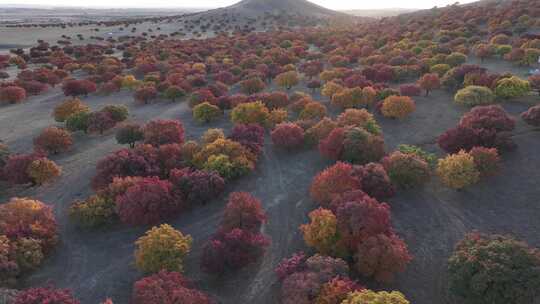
(289, 7)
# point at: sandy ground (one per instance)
(99, 264)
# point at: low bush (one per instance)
(162, 248)
(288, 136)
(243, 211)
(145, 94)
(532, 116)
(78, 122)
(398, 106)
(43, 170)
(95, 211)
(494, 269)
(148, 201)
(313, 110)
(458, 170)
(167, 287)
(333, 182)
(381, 256)
(74, 87)
(321, 232)
(488, 117)
(352, 144)
(206, 112)
(486, 160)
(229, 158)
(252, 85)
(41, 295)
(251, 113)
(359, 118)
(232, 250)
(162, 131)
(511, 87)
(410, 90)
(474, 96)
(373, 297)
(53, 140)
(287, 79)
(375, 181)
(406, 170)
(129, 134)
(99, 122)
(250, 136)
(68, 108)
(12, 94)
(192, 187)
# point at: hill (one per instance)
(278, 7)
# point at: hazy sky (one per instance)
(332, 4)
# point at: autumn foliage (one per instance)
(167, 287)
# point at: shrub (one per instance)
(96, 211)
(406, 170)
(243, 211)
(200, 96)
(288, 136)
(206, 112)
(43, 170)
(232, 250)
(129, 134)
(250, 136)
(162, 131)
(68, 108)
(488, 117)
(494, 269)
(174, 92)
(375, 181)
(12, 94)
(194, 186)
(359, 118)
(167, 287)
(53, 140)
(360, 146)
(251, 113)
(302, 286)
(486, 160)
(229, 158)
(162, 248)
(211, 135)
(331, 88)
(534, 81)
(78, 122)
(313, 110)
(347, 98)
(288, 266)
(430, 158)
(15, 170)
(381, 256)
(287, 79)
(118, 113)
(398, 106)
(319, 131)
(145, 93)
(352, 144)
(458, 170)
(410, 90)
(511, 87)
(141, 161)
(372, 297)
(276, 100)
(532, 116)
(474, 95)
(359, 217)
(332, 182)
(455, 59)
(336, 290)
(99, 122)
(148, 201)
(252, 85)
(439, 69)
(28, 218)
(429, 82)
(321, 233)
(74, 87)
(45, 295)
